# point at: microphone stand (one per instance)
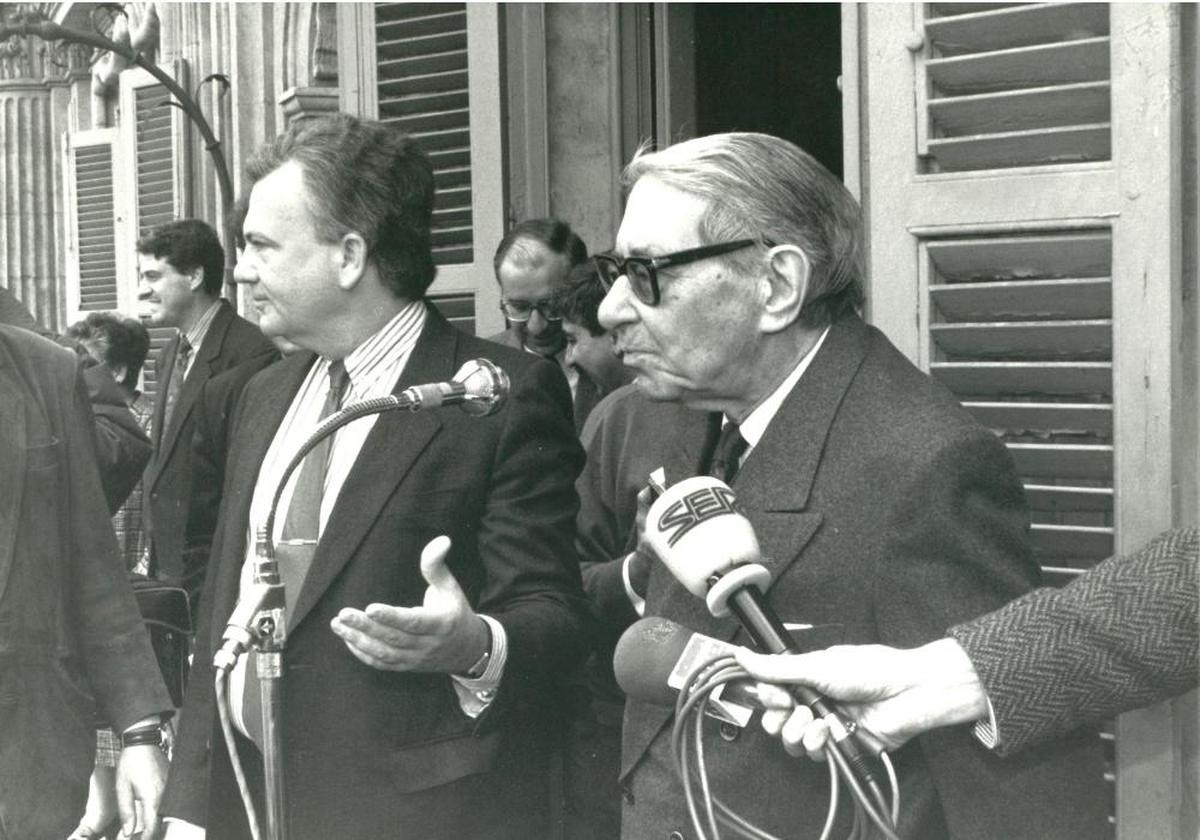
(269, 641)
(267, 633)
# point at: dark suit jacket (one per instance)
(882, 507)
(1119, 637)
(71, 638)
(371, 753)
(210, 444)
(231, 340)
(586, 394)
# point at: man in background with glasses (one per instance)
(532, 263)
(885, 512)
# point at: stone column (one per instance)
(33, 109)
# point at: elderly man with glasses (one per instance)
(885, 512)
(532, 263)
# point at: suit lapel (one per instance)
(261, 413)
(387, 455)
(773, 487)
(776, 481)
(208, 353)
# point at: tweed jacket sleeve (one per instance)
(1121, 636)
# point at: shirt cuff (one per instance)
(639, 603)
(178, 829)
(476, 694)
(985, 731)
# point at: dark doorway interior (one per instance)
(772, 68)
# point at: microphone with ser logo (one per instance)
(706, 543)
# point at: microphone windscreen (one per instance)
(645, 657)
(696, 529)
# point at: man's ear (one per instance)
(785, 286)
(352, 260)
(118, 372)
(196, 279)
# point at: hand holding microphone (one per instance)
(896, 694)
(697, 531)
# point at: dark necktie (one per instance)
(728, 453)
(178, 374)
(298, 540)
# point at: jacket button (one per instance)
(729, 732)
(675, 835)
(627, 793)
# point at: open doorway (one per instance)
(771, 68)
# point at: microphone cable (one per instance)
(707, 811)
(239, 772)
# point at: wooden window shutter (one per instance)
(155, 140)
(1021, 329)
(1003, 85)
(424, 90)
(1022, 210)
(98, 276)
(433, 70)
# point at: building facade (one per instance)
(1028, 175)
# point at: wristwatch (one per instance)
(477, 670)
(151, 735)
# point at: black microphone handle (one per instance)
(757, 618)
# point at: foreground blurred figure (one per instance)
(416, 683)
(72, 645)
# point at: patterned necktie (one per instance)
(298, 540)
(728, 453)
(178, 374)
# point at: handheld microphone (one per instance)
(698, 532)
(655, 656)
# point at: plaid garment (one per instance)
(127, 521)
(108, 747)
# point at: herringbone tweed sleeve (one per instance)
(1121, 636)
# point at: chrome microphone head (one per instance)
(485, 384)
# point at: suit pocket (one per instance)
(422, 766)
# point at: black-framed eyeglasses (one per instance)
(643, 271)
(520, 311)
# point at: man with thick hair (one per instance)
(180, 268)
(589, 349)
(884, 511)
(418, 668)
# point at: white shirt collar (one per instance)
(756, 422)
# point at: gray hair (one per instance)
(762, 187)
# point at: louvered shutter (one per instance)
(458, 309)
(436, 75)
(1019, 169)
(155, 138)
(1021, 329)
(423, 89)
(97, 276)
(1014, 85)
